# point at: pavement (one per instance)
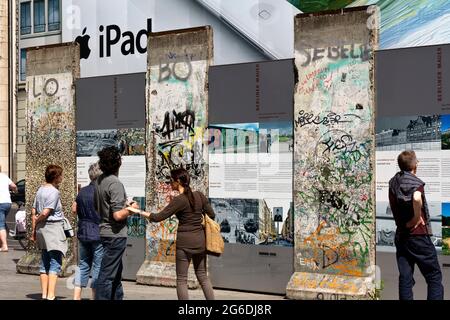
(14, 286)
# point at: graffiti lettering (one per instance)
(173, 154)
(305, 118)
(335, 53)
(181, 69)
(345, 144)
(333, 296)
(332, 198)
(50, 87)
(173, 121)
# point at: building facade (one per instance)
(39, 25)
(8, 59)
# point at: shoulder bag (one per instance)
(214, 241)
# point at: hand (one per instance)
(134, 205)
(133, 210)
(419, 223)
(145, 214)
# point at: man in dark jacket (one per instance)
(412, 239)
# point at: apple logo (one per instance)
(83, 40)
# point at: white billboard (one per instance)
(113, 33)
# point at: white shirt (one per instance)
(5, 181)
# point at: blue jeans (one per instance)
(412, 250)
(109, 285)
(91, 254)
(51, 262)
(4, 210)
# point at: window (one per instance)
(43, 15)
(39, 15)
(53, 15)
(23, 64)
(25, 18)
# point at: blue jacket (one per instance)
(88, 218)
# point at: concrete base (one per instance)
(163, 274)
(319, 286)
(30, 262)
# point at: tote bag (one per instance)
(214, 241)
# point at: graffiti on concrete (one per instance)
(51, 135)
(176, 126)
(333, 179)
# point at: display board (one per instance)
(413, 113)
(250, 173)
(250, 164)
(111, 112)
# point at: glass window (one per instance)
(39, 15)
(53, 15)
(23, 64)
(25, 18)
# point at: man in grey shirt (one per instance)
(110, 201)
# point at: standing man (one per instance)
(412, 238)
(110, 201)
(5, 205)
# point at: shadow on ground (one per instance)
(37, 296)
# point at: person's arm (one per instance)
(124, 213)
(207, 207)
(33, 224)
(118, 202)
(417, 206)
(74, 208)
(174, 206)
(43, 215)
(12, 186)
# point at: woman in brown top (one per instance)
(190, 244)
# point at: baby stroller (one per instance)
(20, 226)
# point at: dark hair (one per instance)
(182, 176)
(110, 160)
(407, 160)
(52, 172)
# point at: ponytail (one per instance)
(190, 195)
(182, 176)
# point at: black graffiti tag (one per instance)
(345, 143)
(304, 118)
(333, 199)
(177, 120)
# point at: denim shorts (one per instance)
(4, 210)
(51, 262)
